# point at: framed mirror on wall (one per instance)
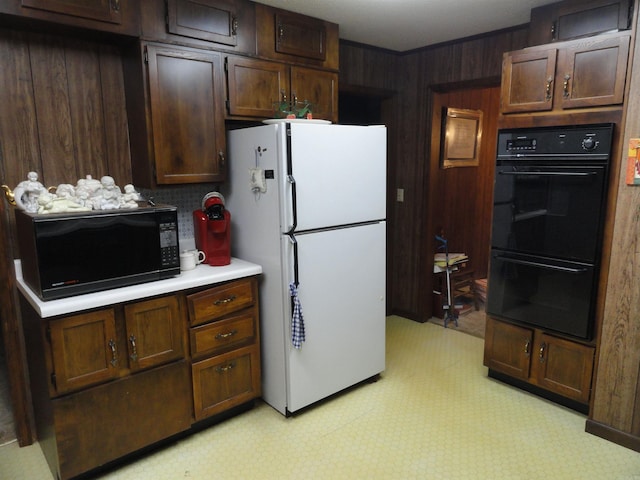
(461, 137)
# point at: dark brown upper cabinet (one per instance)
(578, 18)
(294, 38)
(209, 24)
(175, 104)
(300, 36)
(255, 86)
(581, 73)
(116, 16)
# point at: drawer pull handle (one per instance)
(223, 301)
(226, 368)
(527, 345)
(134, 350)
(223, 336)
(114, 356)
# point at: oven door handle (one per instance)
(551, 174)
(540, 265)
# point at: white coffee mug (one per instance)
(190, 258)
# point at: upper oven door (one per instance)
(546, 210)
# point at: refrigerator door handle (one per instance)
(294, 204)
(293, 240)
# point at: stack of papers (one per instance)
(440, 259)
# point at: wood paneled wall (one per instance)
(414, 76)
(63, 109)
(615, 412)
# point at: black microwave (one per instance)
(71, 254)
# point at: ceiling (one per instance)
(403, 25)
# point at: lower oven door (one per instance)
(547, 293)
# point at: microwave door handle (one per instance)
(540, 265)
(551, 174)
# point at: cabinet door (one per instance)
(528, 81)
(300, 36)
(254, 86)
(564, 367)
(212, 20)
(574, 19)
(101, 424)
(83, 350)
(155, 332)
(187, 114)
(318, 87)
(225, 381)
(102, 10)
(593, 74)
(507, 348)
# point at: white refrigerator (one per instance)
(308, 203)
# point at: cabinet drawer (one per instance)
(220, 301)
(216, 337)
(225, 381)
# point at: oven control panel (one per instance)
(580, 141)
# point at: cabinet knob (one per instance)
(115, 5)
(223, 336)
(134, 350)
(114, 354)
(226, 368)
(565, 85)
(280, 32)
(234, 26)
(548, 88)
(543, 346)
(223, 301)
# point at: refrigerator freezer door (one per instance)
(339, 173)
(341, 290)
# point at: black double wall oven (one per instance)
(548, 219)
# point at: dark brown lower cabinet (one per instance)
(560, 366)
(111, 381)
(104, 423)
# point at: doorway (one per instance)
(460, 199)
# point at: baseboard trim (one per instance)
(613, 435)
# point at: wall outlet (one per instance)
(400, 195)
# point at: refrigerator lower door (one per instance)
(341, 289)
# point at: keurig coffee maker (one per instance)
(212, 225)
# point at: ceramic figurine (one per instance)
(27, 192)
(130, 197)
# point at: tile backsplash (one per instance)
(187, 198)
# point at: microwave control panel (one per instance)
(169, 243)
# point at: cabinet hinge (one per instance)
(53, 381)
(227, 104)
(554, 30)
(226, 65)
(146, 55)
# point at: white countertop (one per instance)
(201, 276)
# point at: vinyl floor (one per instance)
(433, 414)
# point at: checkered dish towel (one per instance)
(297, 321)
